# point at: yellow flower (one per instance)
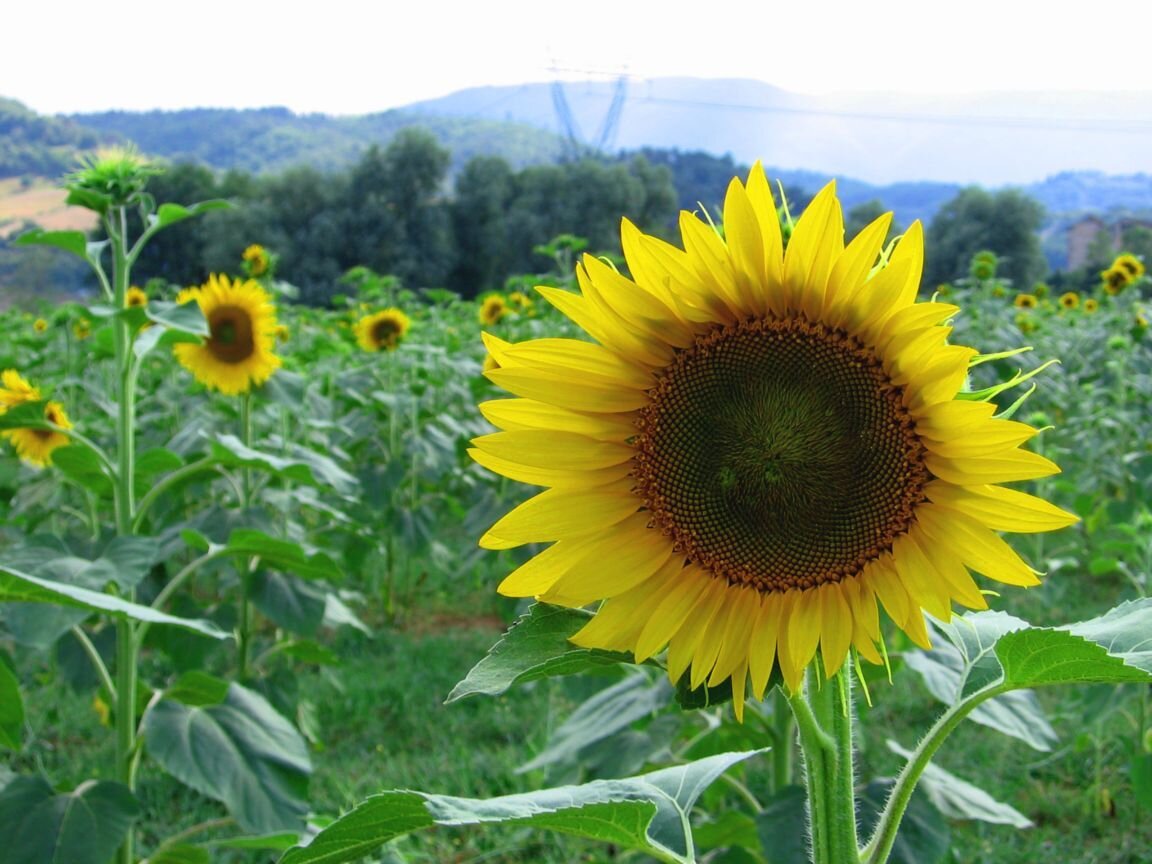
(15, 390)
(383, 330)
(256, 259)
(1129, 264)
(1025, 301)
(763, 448)
(1115, 280)
(521, 302)
(238, 353)
(1091, 304)
(82, 329)
(492, 309)
(34, 446)
(1069, 300)
(40, 325)
(136, 297)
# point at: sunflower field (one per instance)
(695, 556)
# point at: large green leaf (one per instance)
(17, 587)
(302, 465)
(610, 711)
(172, 323)
(11, 705)
(536, 646)
(945, 671)
(959, 799)
(294, 604)
(38, 826)
(79, 463)
(283, 554)
(1113, 648)
(241, 752)
(783, 827)
(75, 242)
(170, 214)
(649, 813)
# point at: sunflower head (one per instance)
(256, 260)
(82, 329)
(492, 309)
(238, 353)
(1025, 301)
(1069, 300)
(1115, 279)
(15, 390)
(765, 444)
(1129, 264)
(113, 177)
(382, 331)
(135, 297)
(34, 446)
(40, 325)
(1091, 305)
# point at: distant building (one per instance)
(1083, 234)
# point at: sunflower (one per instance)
(34, 446)
(135, 297)
(383, 330)
(1129, 264)
(256, 260)
(82, 329)
(237, 354)
(40, 325)
(492, 309)
(763, 448)
(1025, 301)
(1091, 305)
(521, 302)
(1115, 280)
(1069, 300)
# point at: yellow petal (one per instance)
(999, 508)
(816, 242)
(559, 514)
(975, 545)
(530, 414)
(553, 386)
(1002, 467)
(556, 450)
(802, 634)
(835, 628)
(762, 647)
(683, 595)
(567, 478)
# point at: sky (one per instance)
(345, 58)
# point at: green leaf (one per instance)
(610, 711)
(648, 813)
(291, 603)
(953, 671)
(75, 242)
(783, 827)
(127, 560)
(170, 214)
(536, 646)
(85, 826)
(959, 799)
(183, 318)
(923, 836)
(303, 466)
(283, 554)
(80, 464)
(279, 842)
(11, 705)
(1140, 770)
(197, 688)
(17, 587)
(181, 854)
(241, 752)
(728, 828)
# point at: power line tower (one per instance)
(574, 145)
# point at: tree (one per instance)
(862, 215)
(479, 209)
(1006, 222)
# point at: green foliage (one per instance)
(1006, 222)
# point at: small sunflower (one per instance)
(492, 309)
(34, 446)
(1069, 300)
(1130, 265)
(1025, 301)
(40, 325)
(1091, 305)
(383, 330)
(238, 352)
(521, 302)
(256, 260)
(765, 446)
(82, 329)
(135, 297)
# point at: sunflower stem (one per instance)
(244, 618)
(784, 732)
(116, 225)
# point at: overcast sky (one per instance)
(345, 57)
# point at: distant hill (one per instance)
(991, 139)
(269, 140)
(32, 145)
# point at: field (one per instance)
(327, 524)
(41, 203)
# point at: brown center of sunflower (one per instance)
(778, 454)
(231, 339)
(386, 331)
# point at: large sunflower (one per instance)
(762, 445)
(238, 353)
(32, 445)
(382, 330)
